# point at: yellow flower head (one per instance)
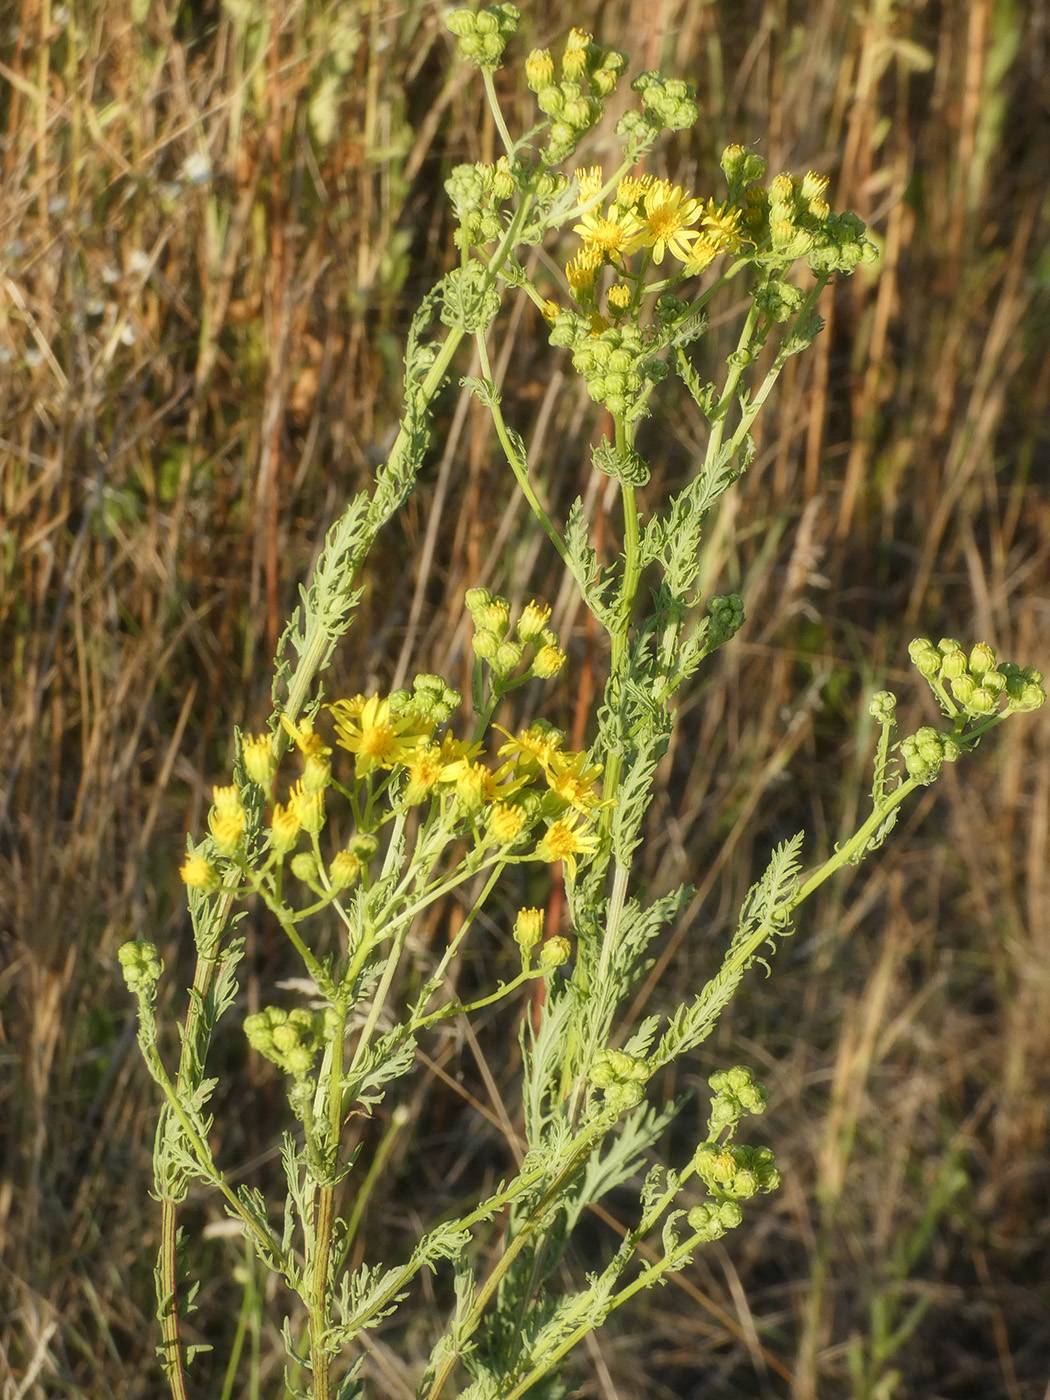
(534, 618)
(608, 237)
(721, 224)
(259, 762)
(227, 819)
(631, 190)
(563, 842)
(198, 873)
(533, 749)
(581, 272)
(505, 822)
(528, 928)
(308, 807)
(306, 741)
(702, 254)
(590, 183)
(619, 297)
(573, 781)
(376, 736)
(667, 219)
(284, 828)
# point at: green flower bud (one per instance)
(304, 867)
(363, 847)
(882, 705)
(925, 657)
(981, 702)
(705, 1220)
(963, 688)
(953, 660)
(486, 645)
(982, 659)
(730, 1215)
(140, 965)
(508, 657)
(553, 953)
(344, 870)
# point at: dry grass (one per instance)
(195, 377)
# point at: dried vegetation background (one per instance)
(215, 222)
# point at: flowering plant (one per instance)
(395, 805)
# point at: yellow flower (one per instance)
(376, 736)
(226, 819)
(198, 873)
(284, 827)
(306, 741)
(701, 255)
(722, 225)
(572, 781)
(581, 272)
(533, 749)
(259, 762)
(308, 807)
(619, 297)
(608, 237)
(666, 220)
(437, 763)
(590, 183)
(505, 822)
(534, 618)
(548, 661)
(631, 190)
(563, 842)
(528, 928)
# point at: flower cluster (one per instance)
(574, 102)
(504, 652)
(290, 1039)
(484, 35)
(622, 1077)
(736, 1172)
(736, 1092)
(976, 686)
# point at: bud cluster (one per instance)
(666, 102)
(791, 218)
(289, 1039)
(483, 35)
(575, 102)
(736, 1092)
(140, 965)
(736, 1172)
(493, 641)
(727, 617)
(925, 751)
(979, 685)
(615, 364)
(623, 1078)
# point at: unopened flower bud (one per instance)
(554, 953)
(344, 870)
(982, 659)
(533, 620)
(257, 755)
(882, 705)
(304, 867)
(508, 656)
(528, 928)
